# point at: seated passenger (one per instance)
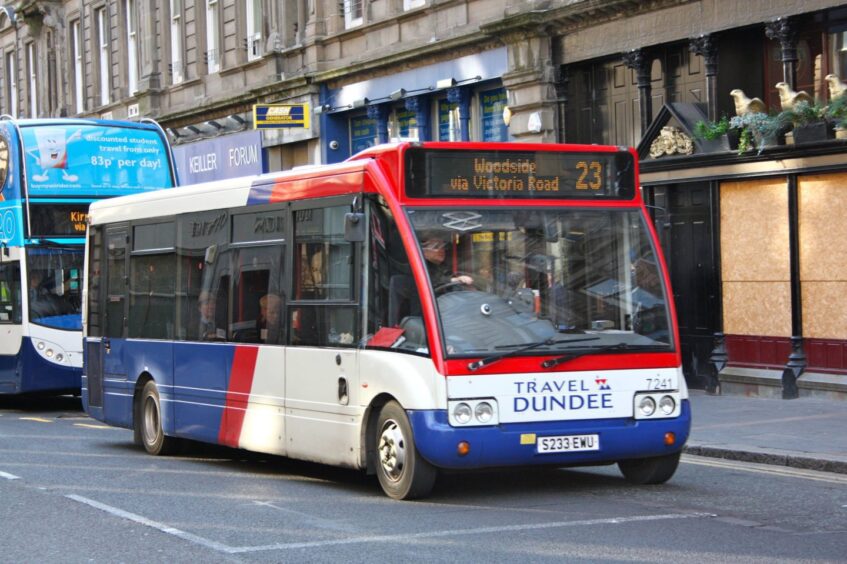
(268, 325)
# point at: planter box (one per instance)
(813, 132)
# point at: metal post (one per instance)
(796, 364)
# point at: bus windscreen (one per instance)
(462, 173)
(94, 160)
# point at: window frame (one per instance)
(213, 40)
(32, 75)
(177, 66)
(354, 13)
(11, 68)
(131, 21)
(101, 22)
(79, 65)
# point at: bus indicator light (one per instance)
(463, 448)
(670, 439)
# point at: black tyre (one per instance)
(402, 471)
(643, 471)
(148, 423)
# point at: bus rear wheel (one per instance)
(148, 424)
(644, 471)
(402, 471)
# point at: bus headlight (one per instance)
(483, 412)
(647, 406)
(656, 405)
(667, 405)
(462, 413)
(475, 412)
(51, 352)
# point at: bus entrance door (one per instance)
(322, 417)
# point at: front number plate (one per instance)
(568, 443)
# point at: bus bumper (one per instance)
(514, 444)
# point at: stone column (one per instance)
(531, 85)
(706, 47)
(784, 31)
(639, 61)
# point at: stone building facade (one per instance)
(755, 241)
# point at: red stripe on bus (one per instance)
(238, 394)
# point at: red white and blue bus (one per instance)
(418, 307)
(50, 172)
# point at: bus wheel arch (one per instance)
(147, 419)
(136, 407)
(402, 472)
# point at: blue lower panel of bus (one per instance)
(28, 372)
(502, 446)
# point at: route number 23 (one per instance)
(590, 175)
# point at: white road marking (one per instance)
(220, 547)
(785, 471)
(9, 476)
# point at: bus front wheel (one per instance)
(656, 470)
(149, 422)
(402, 471)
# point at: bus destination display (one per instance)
(437, 173)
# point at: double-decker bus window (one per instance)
(10, 292)
(54, 278)
(323, 273)
(115, 282)
(152, 281)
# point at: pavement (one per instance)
(805, 433)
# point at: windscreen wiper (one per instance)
(551, 362)
(476, 365)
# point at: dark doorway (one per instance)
(684, 215)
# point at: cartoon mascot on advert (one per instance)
(52, 153)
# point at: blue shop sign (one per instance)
(228, 156)
(362, 133)
(492, 103)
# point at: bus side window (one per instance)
(323, 279)
(10, 292)
(394, 305)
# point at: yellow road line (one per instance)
(39, 419)
(90, 426)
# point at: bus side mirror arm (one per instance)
(354, 227)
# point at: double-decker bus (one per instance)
(51, 170)
(418, 307)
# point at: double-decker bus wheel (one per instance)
(149, 422)
(402, 472)
(656, 470)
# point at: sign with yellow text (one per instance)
(269, 116)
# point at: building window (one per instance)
(177, 75)
(131, 48)
(212, 40)
(254, 29)
(11, 84)
(353, 13)
(76, 53)
(32, 71)
(103, 52)
(412, 4)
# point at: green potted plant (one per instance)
(758, 130)
(810, 122)
(836, 113)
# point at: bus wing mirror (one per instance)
(354, 227)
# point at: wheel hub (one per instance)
(392, 450)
